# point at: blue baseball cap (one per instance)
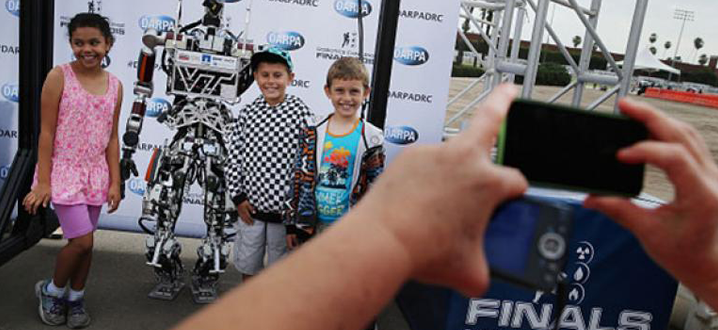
(272, 55)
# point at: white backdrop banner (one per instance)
(316, 32)
(9, 50)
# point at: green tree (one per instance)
(703, 59)
(576, 41)
(466, 26)
(698, 44)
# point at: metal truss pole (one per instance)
(506, 23)
(586, 53)
(493, 51)
(639, 16)
(516, 45)
(535, 49)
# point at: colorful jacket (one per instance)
(301, 201)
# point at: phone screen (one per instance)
(562, 147)
(509, 237)
(526, 241)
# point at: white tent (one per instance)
(646, 61)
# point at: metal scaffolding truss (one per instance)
(502, 66)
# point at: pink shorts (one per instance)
(77, 220)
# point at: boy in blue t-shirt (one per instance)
(339, 156)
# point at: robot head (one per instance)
(212, 13)
(272, 55)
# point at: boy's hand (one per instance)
(245, 211)
(292, 241)
(40, 195)
(114, 196)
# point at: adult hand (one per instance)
(114, 197)
(245, 211)
(40, 195)
(681, 236)
(437, 200)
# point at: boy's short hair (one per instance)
(348, 68)
(272, 55)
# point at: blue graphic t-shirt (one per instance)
(335, 174)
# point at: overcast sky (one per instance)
(615, 22)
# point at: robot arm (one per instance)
(143, 90)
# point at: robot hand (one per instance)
(127, 166)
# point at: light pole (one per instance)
(682, 15)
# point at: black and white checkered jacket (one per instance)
(263, 143)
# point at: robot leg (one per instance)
(212, 255)
(162, 203)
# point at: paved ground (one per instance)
(117, 288)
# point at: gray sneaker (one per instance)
(77, 316)
(52, 309)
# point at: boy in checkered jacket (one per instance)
(263, 145)
(339, 156)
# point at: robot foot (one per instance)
(166, 290)
(203, 292)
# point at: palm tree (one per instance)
(667, 46)
(653, 50)
(487, 15)
(467, 22)
(576, 41)
(703, 59)
(698, 44)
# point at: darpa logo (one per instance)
(401, 135)
(137, 186)
(350, 8)
(4, 172)
(157, 106)
(8, 133)
(286, 40)
(161, 23)
(13, 7)
(10, 92)
(106, 61)
(413, 55)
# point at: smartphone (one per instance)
(526, 242)
(567, 148)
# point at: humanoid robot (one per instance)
(207, 69)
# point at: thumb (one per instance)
(621, 210)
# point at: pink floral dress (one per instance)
(80, 174)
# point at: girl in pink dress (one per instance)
(78, 163)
